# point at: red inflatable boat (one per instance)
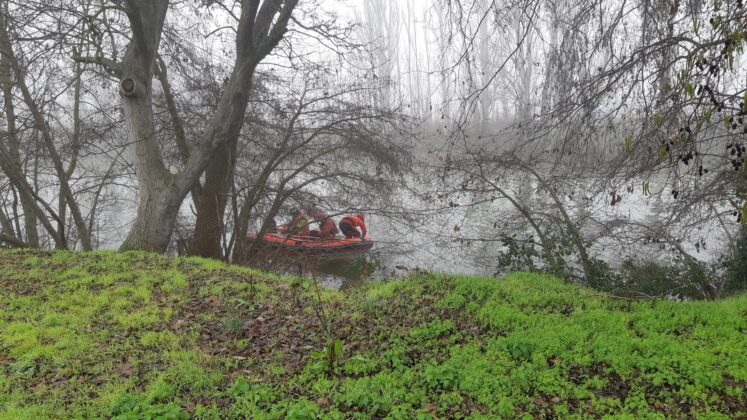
(307, 245)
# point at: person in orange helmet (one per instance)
(348, 226)
(327, 228)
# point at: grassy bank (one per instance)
(135, 335)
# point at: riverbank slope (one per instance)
(138, 335)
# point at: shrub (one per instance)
(602, 277)
(637, 278)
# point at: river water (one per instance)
(454, 235)
(465, 239)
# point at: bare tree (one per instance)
(319, 146)
(15, 77)
(259, 28)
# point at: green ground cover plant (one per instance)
(136, 335)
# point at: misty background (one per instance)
(601, 141)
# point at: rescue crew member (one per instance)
(327, 227)
(299, 225)
(348, 226)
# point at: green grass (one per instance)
(135, 335)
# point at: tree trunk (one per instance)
(211, 204)
(156, 214)
(75, 143)
(158, 205)
(29, 217)
(211, 209)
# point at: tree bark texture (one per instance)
(151, 230)
(212, 202)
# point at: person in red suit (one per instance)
(327, 228)
(349, 226)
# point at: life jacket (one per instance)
(327, 228)
(330, 225)
(300, 225)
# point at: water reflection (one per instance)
(348, 273)
(332, 273)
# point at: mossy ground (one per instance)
(134, 335)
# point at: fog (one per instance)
(591, 140)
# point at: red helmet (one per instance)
(361, 216)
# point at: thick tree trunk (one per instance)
(156, 214)
(157, 203)
(209, 227)
(219, 167)
(159, 200)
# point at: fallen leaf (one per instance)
(125, 369)
(431, 408)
